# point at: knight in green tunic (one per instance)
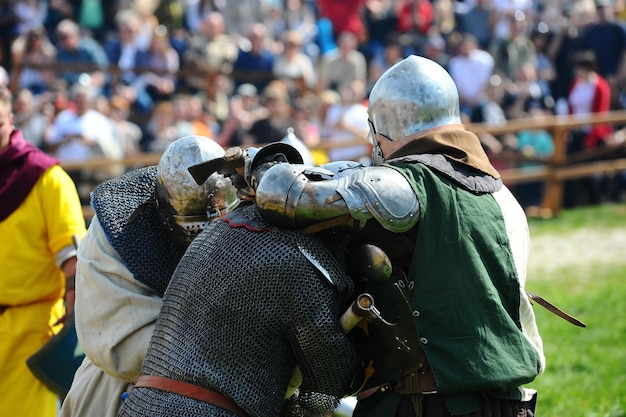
(457, 336)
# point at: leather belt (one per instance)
(425, 384)
(190, 390)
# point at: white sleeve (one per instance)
(115, 314)
(517, 231)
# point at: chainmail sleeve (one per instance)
(309, 404)
(245, 306)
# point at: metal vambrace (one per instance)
(298, 196)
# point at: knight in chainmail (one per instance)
(144, 220)
(247, 305)
(456, 334)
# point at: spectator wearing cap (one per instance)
(81, 55)
(589, 93)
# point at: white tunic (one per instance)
(115, 316)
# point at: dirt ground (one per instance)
(578, 248)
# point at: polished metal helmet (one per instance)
(414, 95)
(186, 206)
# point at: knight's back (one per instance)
(247, 303)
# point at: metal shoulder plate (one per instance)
(279, 190)
(297, 196)
(382, 193)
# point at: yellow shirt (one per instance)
(33, 235)
(36, 238)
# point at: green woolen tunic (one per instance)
(466, 296)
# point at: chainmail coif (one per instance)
(132, 223)
(243, 308)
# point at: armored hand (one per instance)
(245, 167)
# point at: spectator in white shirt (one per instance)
(82, 133)
(470, 70)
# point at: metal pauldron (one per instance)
(297, 196)
(382, 193)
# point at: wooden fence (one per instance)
(608, 160)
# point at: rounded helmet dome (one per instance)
(414, 95)
(187, 206)
(175, 184)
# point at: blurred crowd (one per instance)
(95, 78)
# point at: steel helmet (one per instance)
(414, 95)
(187, 207)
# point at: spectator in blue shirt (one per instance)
(87, 55)
(255, 62)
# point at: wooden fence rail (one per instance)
(562, 166)
(554, 172)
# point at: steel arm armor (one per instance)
(298, 196)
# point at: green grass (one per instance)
(604, 216)
(586, 367)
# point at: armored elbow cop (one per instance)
(298, 196)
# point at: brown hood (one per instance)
(454, 142)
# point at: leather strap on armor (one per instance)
(192, 391)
